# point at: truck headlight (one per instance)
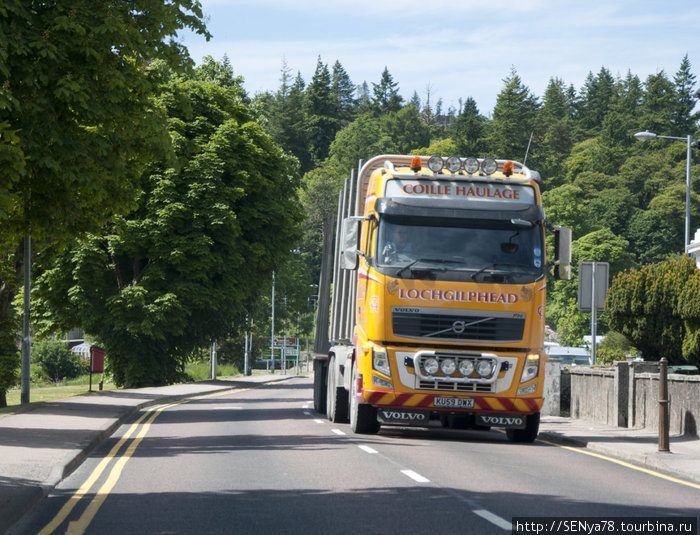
(532, 367)
(466, 367)
(380, 361)
(431, 365)
(448, 366)
(485, 367)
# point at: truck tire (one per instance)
(319, 387)
(336, 396)
(527, 435)
(363, 418)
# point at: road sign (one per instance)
(277, 353)
(290, 341)
(290, 352)
(586, 283)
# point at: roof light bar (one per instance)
(489, 166)
(453, 164)
(471, 165)
(435, 164)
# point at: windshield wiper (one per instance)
(493, 265)
(428, 269)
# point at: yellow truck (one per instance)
(439, 290)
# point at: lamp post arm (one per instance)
(673, 137)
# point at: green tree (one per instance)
(360, 140)
(77, 120)
(513, 119)
(468, 130)
(650, 307)
(682, 120)
(597, 246)
(385, 95)
(343, 90)
(610, 153)
(555, 133)
(595, 100)
(320, 198)
(658, 103)
(567, 206)
(172, 275)
(321, 113)
(219, 73)
(405, 129)
(286, 120)
(652, 236)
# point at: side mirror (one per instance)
(350, 242)
(562, 253)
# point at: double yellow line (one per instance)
(79, 526)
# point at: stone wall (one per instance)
(627, 395)
(683, 405)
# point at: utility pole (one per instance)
(272, 329)
(26, 336)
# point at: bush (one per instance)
(656, 308)
(614, 347)
(56, 360)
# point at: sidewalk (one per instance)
(43, 444)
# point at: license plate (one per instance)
(457, 403)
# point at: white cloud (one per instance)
(460, 49)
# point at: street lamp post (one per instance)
(643, 136)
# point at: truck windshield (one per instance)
(479, 249)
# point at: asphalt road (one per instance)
(260, 460)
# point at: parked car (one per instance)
(570, 355)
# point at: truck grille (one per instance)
(447, 386)
(462, 325)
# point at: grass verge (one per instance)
(38, 393)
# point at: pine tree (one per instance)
(554, 134)
(468, 130)
(343, 91)
(385, 95)
(364, 101)
(682, 120)
(286, 119)
(513, 119)
(658, 104)
(320, 110)
(596, 96)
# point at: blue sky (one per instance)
(451, 49)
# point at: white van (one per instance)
(570, 355)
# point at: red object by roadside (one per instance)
(97, 359)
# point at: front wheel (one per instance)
(527, 435)
(336, 396)
(363, 418)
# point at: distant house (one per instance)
(82, 349)
(694, 248)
